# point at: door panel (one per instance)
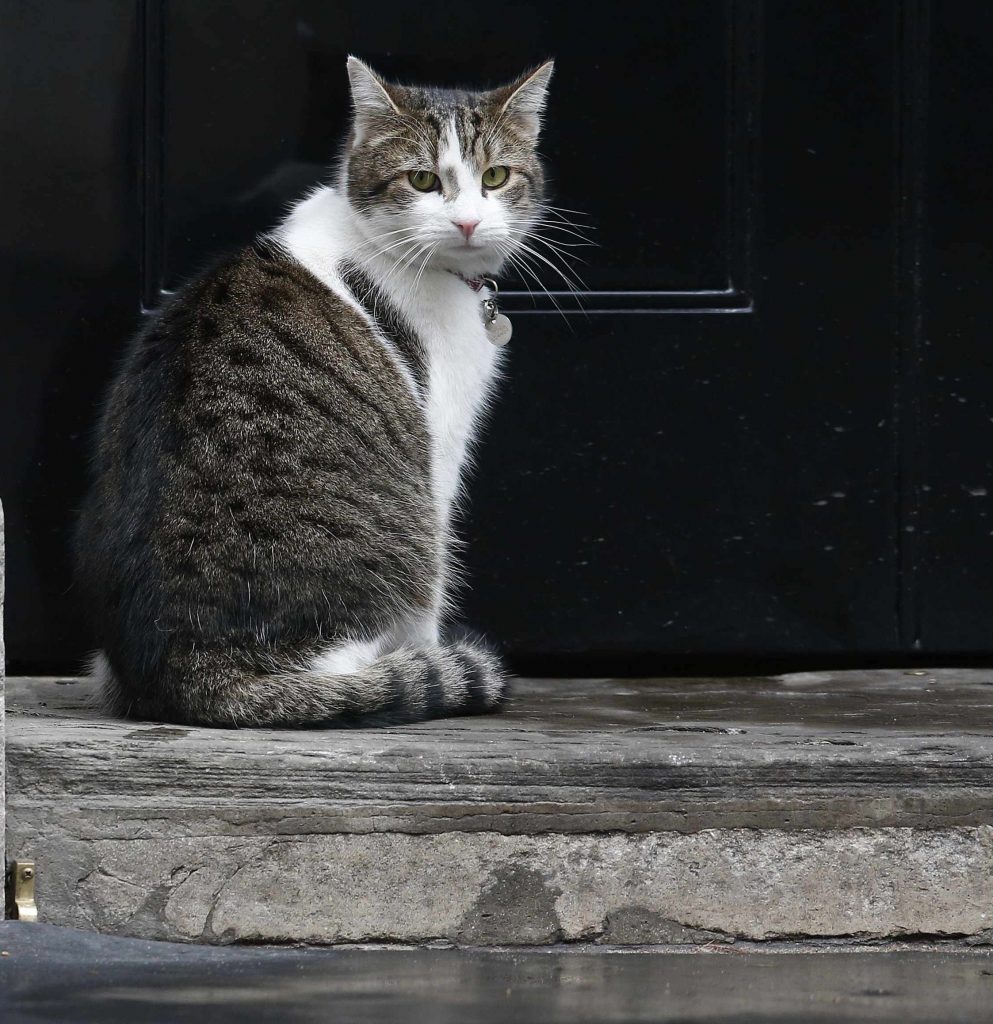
(720, 461)
(256, 101)
(954, 340)
(662, 485)
(69, 236)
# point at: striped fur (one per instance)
(268, 538)
(409, 684)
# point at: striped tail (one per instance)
(410, 684)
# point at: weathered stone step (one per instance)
(623, 811)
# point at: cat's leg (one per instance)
(348, 656)
(416, 629)
(461, 375)
(100, 671)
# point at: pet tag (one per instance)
(499, 329)
(498, 326)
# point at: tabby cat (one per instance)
(267, 541)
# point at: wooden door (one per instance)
(765, 439)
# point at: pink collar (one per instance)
(475, 283)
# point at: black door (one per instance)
(766, 440)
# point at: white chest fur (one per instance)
(445, 312)
(462, 365)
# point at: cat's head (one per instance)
(444, 178)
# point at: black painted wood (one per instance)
(69, 286)
(248, 126)
(955, 478)
(765, 441)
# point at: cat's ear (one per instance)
(370, 95)
(524, 100)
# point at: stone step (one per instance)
(617, 811)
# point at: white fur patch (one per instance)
(99, 670)
(465, 198)
(346, 658)
(445, 312)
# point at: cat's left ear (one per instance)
(524, 99)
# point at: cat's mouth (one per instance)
(469, 256)
(468, 250)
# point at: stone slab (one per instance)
(828, 750)
(482, 888)
(3, 729)
(621, 811)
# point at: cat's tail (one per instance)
(410, 684)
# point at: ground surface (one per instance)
(63, 976)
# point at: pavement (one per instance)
(63, 975)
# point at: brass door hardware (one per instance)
(21, 891)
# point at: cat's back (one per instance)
(258, 410)
(258, 317)
(253, 361)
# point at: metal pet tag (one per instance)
(498, 327)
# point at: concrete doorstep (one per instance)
(853, 804)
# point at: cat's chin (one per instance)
(469, 262)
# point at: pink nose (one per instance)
(466, 227)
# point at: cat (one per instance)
(268, 537)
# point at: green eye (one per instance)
(423, 181)
(494, 177)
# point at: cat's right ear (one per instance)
(370, 96)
